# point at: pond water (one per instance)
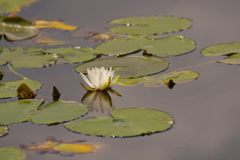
(205, 111)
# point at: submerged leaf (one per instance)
(17, 28)
(28, 110)
(3, 130)
(9, 153)
(128, 67)
(125, 123)
(162, 47)
(8, 89)
(150, 25)
(162, 79)
(26, 57)
(63, 148)
(53, 24)
(74, 55)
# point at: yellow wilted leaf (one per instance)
(48, 41)
(53, 24)
(64, 148)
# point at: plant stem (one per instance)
(11, 69)
(196, 65)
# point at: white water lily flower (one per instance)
(99, 78)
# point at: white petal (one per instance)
(86, 80)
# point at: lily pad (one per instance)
(173, 45)
(28, 110)
(233, 59)
(22, 57)
(3, 130)
(128, 67)
(59, 111)
(122, 46)
(74, 55)
(124, 123)
(232, 50)
(18, 111)
(7, 6)
(162, 79)
(9, 89)
(17, 28)
(221, 49)
(150, 25)
(9, 153)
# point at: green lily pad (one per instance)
(9, 153)
(17, 28)
(3, 130)
(124, 123)
(74, 55)
(150, 25)
(221, 49)
(9, 89)
(232, 50)
(128, 67)
(173, 45)
(233, 59)
(7, 6)
(28, 110)
(26, 57)
(162, 79)
(122, 46)
(18, 111)
(59, 111)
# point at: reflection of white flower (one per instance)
(99, 78)
(98, 100)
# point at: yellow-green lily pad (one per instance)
(162, 79)
(3, 130)
(7, 6)
(9, 153)
(232, 50)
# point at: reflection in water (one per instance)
(99, 100)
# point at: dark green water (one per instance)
(206, 111)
